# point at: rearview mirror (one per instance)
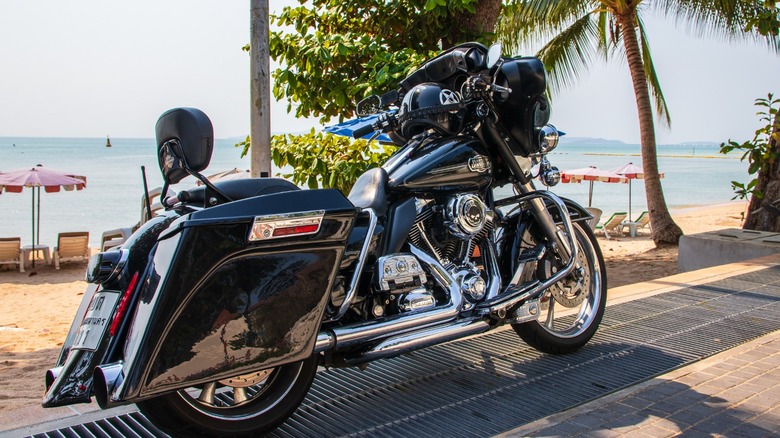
(370, 105)
(494, 54)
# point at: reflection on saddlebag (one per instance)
(219, 303)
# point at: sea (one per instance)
(694, 175)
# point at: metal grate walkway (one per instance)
(494, 382)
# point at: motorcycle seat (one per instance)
(369, 191)
(239, 189)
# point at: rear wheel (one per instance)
(571, 309)
(246, 405)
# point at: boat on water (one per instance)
(108, 142)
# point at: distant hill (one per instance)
(590, 141)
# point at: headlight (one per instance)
(548, 138)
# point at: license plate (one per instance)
(96, 320)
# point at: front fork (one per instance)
(561, 240)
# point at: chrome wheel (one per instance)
(229, 393)
(571, 309)
(579, 293)
(244, 405)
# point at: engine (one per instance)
(451, 232)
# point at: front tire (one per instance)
(247, 405)
(582, 293)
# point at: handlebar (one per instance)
(360, 132)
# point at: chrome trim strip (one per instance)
(263, 226)
(359, 267)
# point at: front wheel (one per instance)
(571, 309)
(246, 405)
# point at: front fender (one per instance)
(217, 305)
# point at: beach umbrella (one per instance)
(51, 180)
(631, 171)
(591, 174)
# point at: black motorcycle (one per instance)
(214, 316)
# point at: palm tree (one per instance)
(582, 31)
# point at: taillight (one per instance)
(121, 308)
(305, 229)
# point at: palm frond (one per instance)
(570, 53)
(725, 19)
(652, 78)
(527, 24)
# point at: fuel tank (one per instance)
(442, 165)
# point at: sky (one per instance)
(92, 68)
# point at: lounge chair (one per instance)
(641, 222)
(614, 224)
(112, 238)
(11, 252)
(596, 213)
(70, 246)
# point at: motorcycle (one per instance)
(214, 317)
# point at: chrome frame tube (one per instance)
(509, 298)
(492, 267)
(350, 296)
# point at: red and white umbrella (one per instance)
(631, 171)
(51, 180)
(591, 174)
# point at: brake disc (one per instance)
(246, 380)
(572, 290)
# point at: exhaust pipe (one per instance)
(342, 337)
(416, 340)
(51, 376)
(105, 379)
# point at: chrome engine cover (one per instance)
(465, 215)
(399, 273)
(417, 299)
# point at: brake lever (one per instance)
(500, 89)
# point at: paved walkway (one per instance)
(734, 393)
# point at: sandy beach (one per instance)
(37, 310)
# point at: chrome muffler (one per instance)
(105, 379)
(416, 340)
(51, 376)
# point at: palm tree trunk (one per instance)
(469, 26)
(665, 230)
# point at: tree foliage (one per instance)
(334, 53)
(328, 160)
(767, 20)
